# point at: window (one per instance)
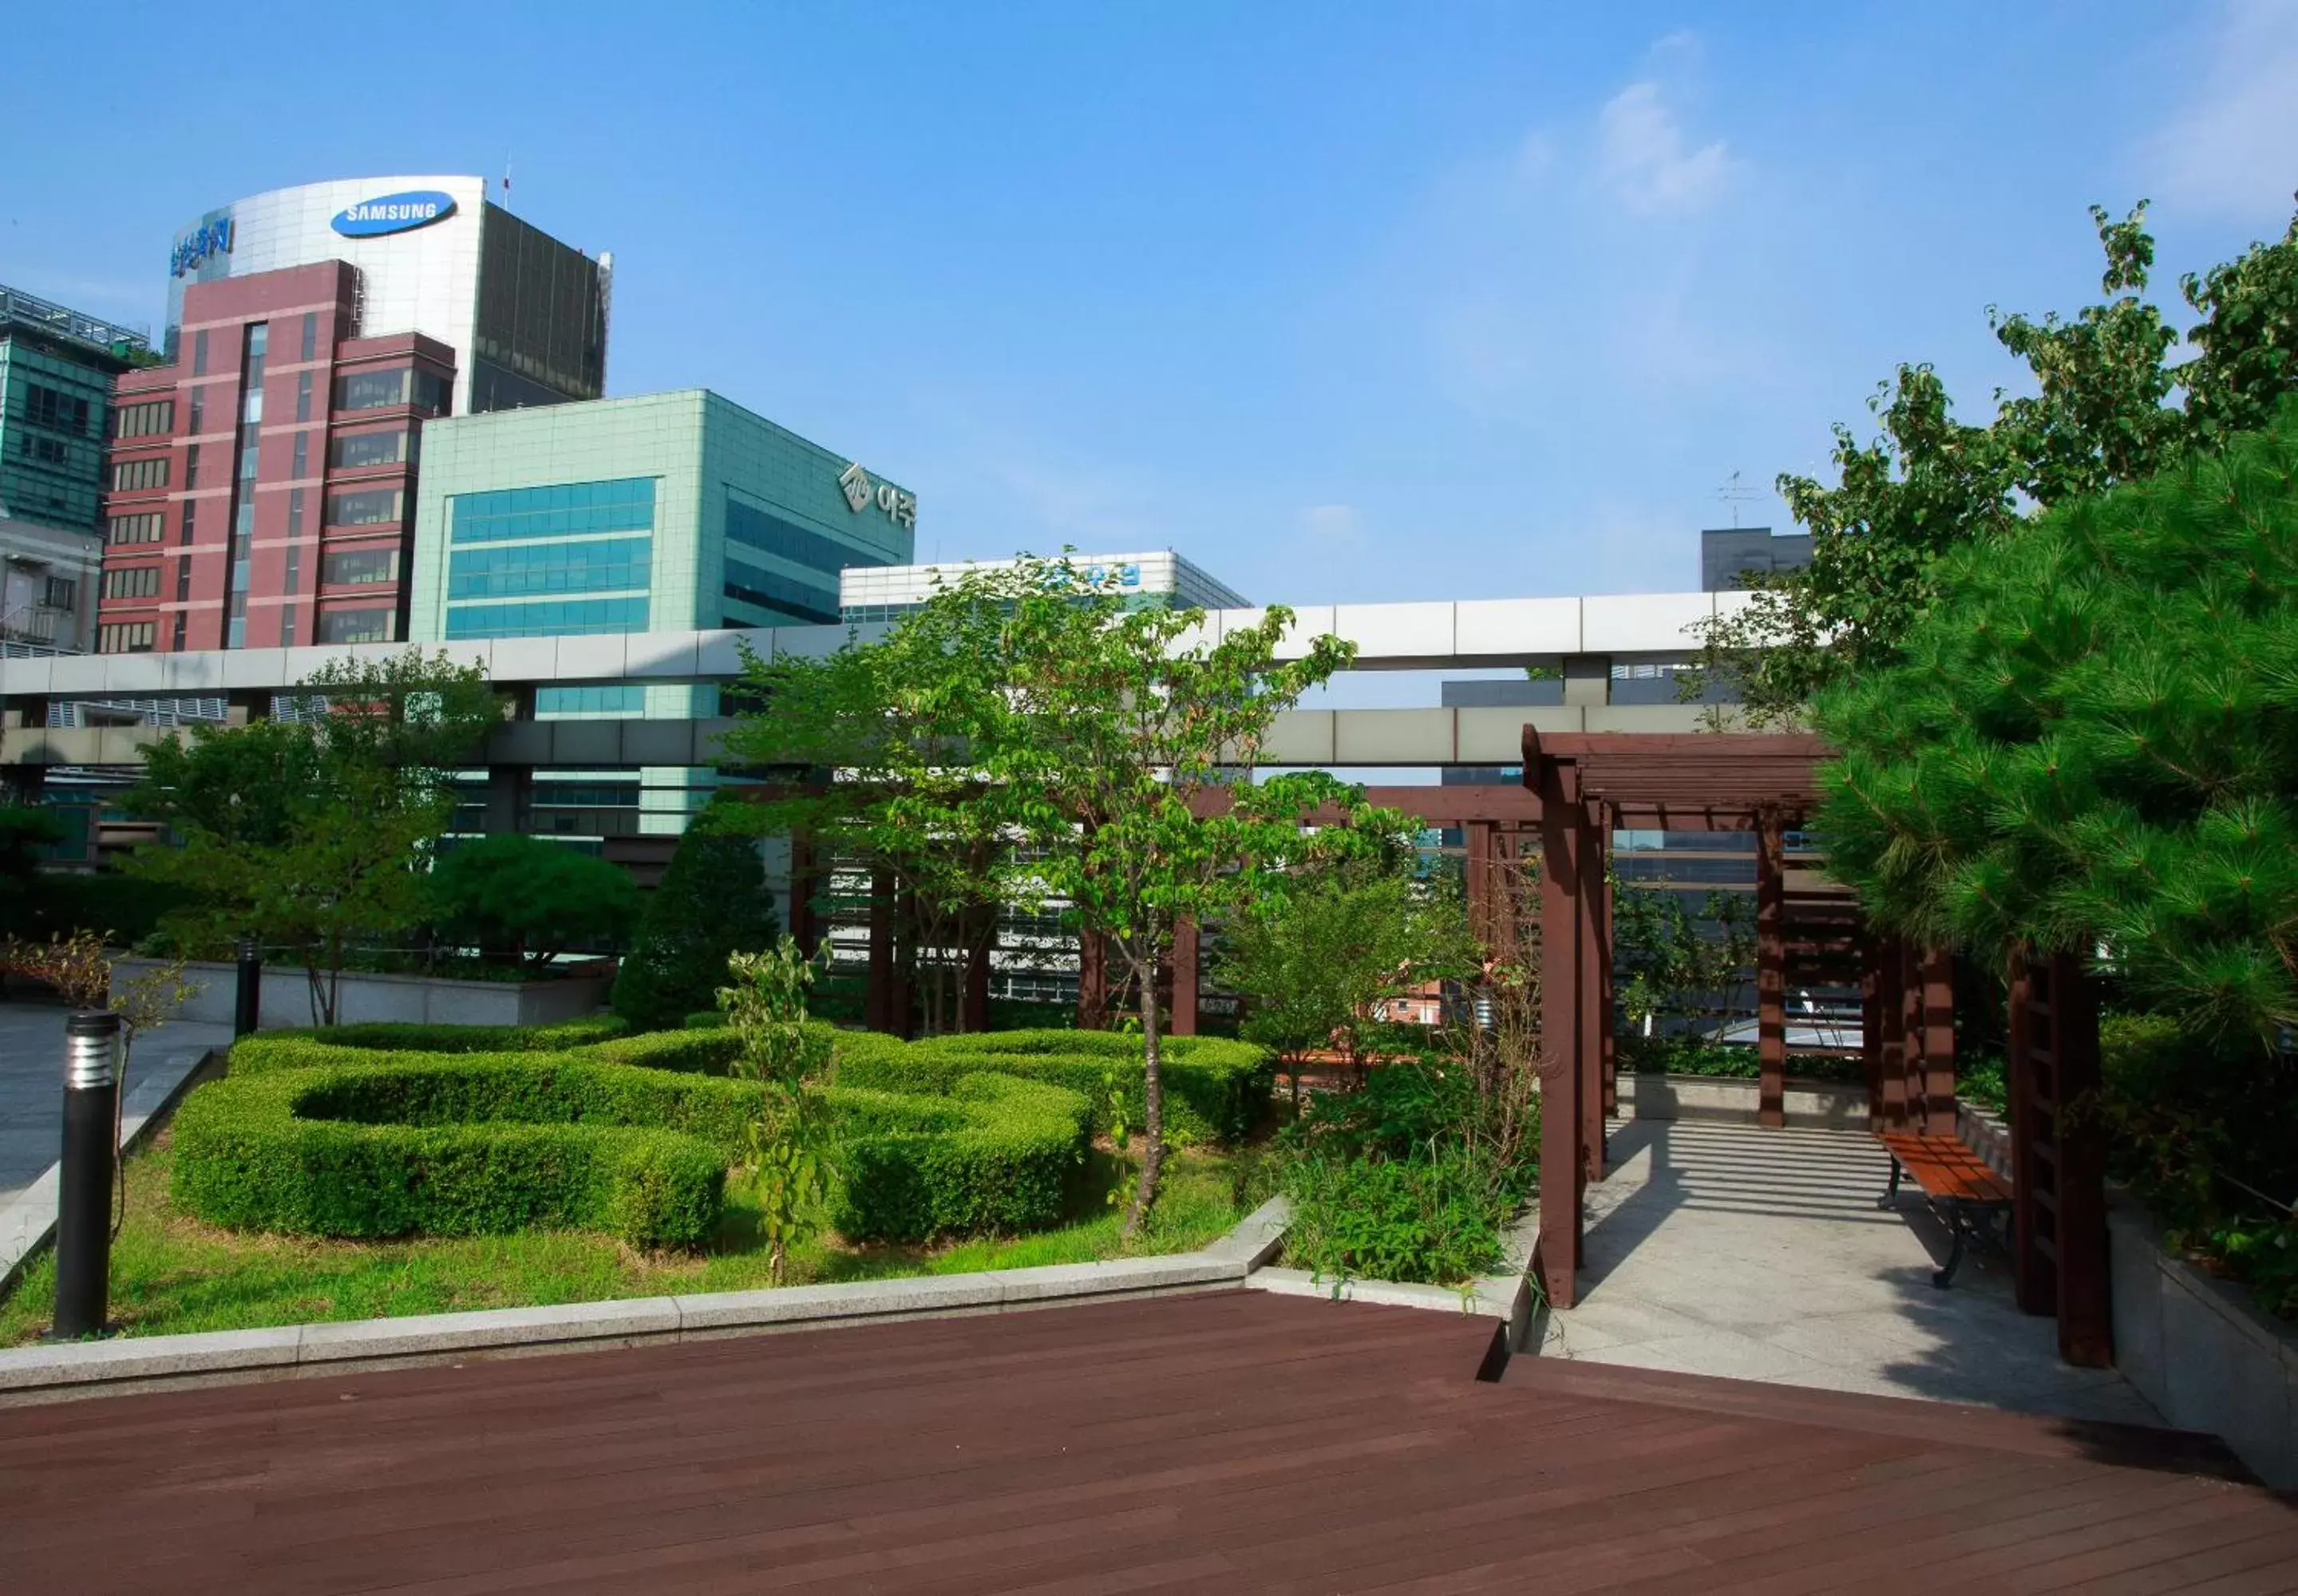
(303, 396)
(376, 390)
(60, 593)
(185, 536)
(294, 570)
(352, 451)
(50, 407)
(200, 353)
(199, 410)
(625, 700)
(569, 509)
(132, 581)
(126, 636)
(288, 627)
(183, 581)
(373, 508)
(294, 509)
(191, 466)
(310, 336)
(550, 618)
(47, 451)
(769, 533)
(302, 454)
(154, 419)
(359, 565)
(259, 340)
(355, 626)
(180, 618)
(750, 584)
(601, 566)
(143, 528)
(130, 476)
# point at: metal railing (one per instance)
(30, 310)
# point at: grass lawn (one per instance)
(172, 1273)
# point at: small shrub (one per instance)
(1425, 1219)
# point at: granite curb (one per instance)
(42, 1374)
(1506, 1295)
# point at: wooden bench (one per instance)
(1964, 1190)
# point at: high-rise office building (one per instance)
(57, 366)
(260, 487)
(525, 314)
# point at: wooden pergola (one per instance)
(1808, 931)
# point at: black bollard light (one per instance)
(249, 1006)
(83, 1201)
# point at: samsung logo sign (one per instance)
(211, 238)
(395, 213)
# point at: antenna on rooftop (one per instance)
(1735, 493)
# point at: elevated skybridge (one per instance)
(1583, 638)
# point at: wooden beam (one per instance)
(1938, 1040)
(2086, 1303)
(1593, 977)
(1771, 971)
(1560, 1191)
(1184, 1021)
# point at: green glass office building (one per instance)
(668, 511)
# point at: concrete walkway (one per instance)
(32, 1103)
(1719, 1248)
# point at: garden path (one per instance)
(32, 1106)
(1719, 1248)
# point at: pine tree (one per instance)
(712, 901)
(2091, 742)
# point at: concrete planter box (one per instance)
(362, 998)
(1842, 1106)
(2200, 1350)
(1985, 1134)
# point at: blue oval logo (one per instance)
(395, 213)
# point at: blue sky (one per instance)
(1345, 302)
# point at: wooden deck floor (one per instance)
(1233, 1442)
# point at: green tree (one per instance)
(1666, 963)
(315, 833)
(1123, 746)
(711, 902)
(1315, 958)
(1930, 483)
(2092, 742)
(786, 1147)
(530, 898)
(894, 721)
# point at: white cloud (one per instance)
(2233, 149)
(1642, 160)
(1338, 524)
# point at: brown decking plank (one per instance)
(2195, 1528)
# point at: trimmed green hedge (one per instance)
(995, 1154)
(418, 1143)
(1215, 1090)
(633, 1135)
(395, 1036)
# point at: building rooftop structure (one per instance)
(108, 344)
(1728, 555)
(887, 592)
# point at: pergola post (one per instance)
(1182, 1020)
(1871, 1023)
(882, 1008)
(1609, 1020)
(1560, 1170)
(2058, 1213)
(1482, 837)
(1592, 975)
(1938, 1041)
(1891, 1030)
(804, 924)
(1771, 966)
(981, 934)
(1093, 982)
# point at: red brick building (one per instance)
(261, 489)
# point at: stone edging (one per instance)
(39, 1374)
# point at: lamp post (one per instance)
(248, 1006)
(84, 1197)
